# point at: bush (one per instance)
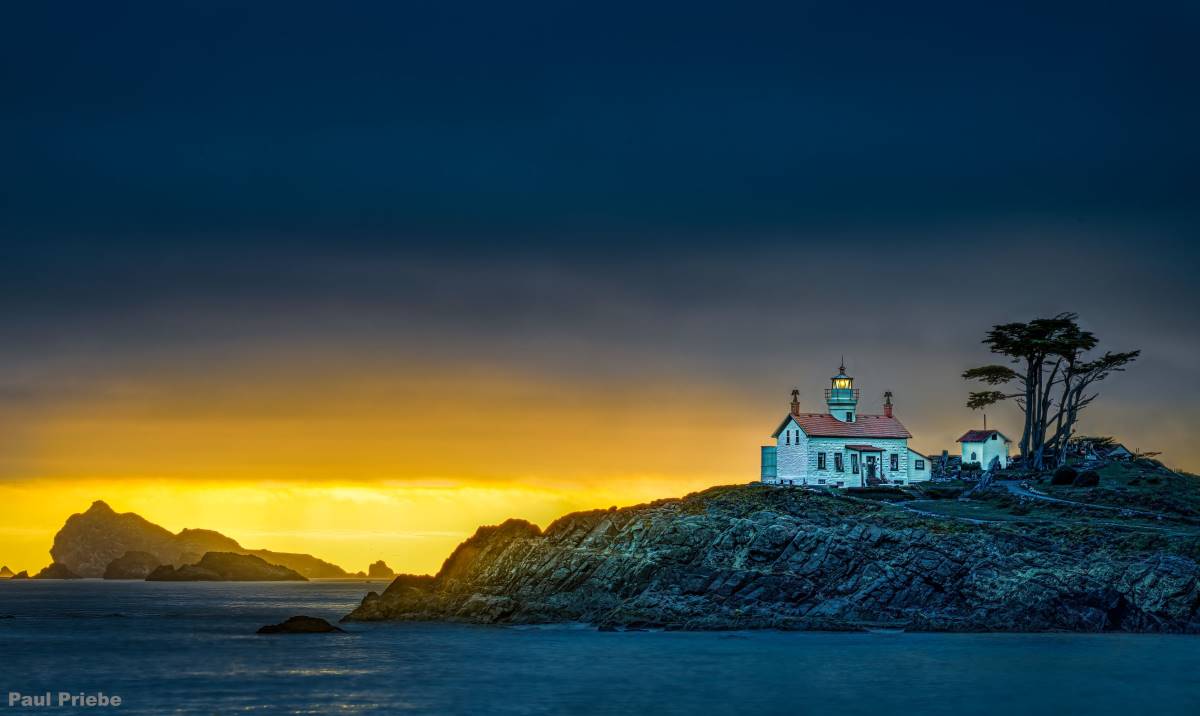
(1087, 478)
(1064, 476)
(1021, 509)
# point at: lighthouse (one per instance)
(842, 447)
(842, 396)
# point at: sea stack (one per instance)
(300, 625)
(380, 570)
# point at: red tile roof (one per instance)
(978, 436)
(824, 425)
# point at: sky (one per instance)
(353, 280)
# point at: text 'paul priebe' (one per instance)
(62, 699)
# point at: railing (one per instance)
(842, 393)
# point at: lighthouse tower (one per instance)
(842, 396)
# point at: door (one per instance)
(870, 466)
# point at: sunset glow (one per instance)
(354, 466)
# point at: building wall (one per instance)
(769, 464)
(830, 446)
(791, 454)
(985, 451)
(839, 410)
(919, 475)
(796, 460)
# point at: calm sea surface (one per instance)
(191, 649)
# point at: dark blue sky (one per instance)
(552, 119)
(731, 194)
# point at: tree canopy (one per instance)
(1048, 376)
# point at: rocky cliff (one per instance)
(225, 567)
(132, 565)
(56, 571)
(90, 541)
(758, 557)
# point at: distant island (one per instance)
(104, 543)
(756, 556)
(225, 567)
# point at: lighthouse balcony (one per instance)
(841, 395)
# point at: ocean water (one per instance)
(191, 649)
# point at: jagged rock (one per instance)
(21, 575)
(760, 557)
(5, 572)
(225, 567)
(300, 625)
(56, 571)
(90, 541)
(132, 565)
(380, 570)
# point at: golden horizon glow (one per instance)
(397, 463)
(413, 527)
(400, 468)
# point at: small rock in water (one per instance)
(300, 625)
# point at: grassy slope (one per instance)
(1122, 485)
(1137, 486)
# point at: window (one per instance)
(849, 417)
(821, 481)
(974, 457)
(820, 461)
(895, 462)
(839, 462)
(920, 464)
(787, 438)
(854, 462)
(993, 436)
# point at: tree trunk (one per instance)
(1032, 370)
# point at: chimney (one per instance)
(887, 404)
(795, 401)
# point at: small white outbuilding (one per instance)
(982, 446)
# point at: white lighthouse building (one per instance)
(842, 447)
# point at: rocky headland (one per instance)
(760, 557)
(89, 542)
(225, 567)
(5, 572)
